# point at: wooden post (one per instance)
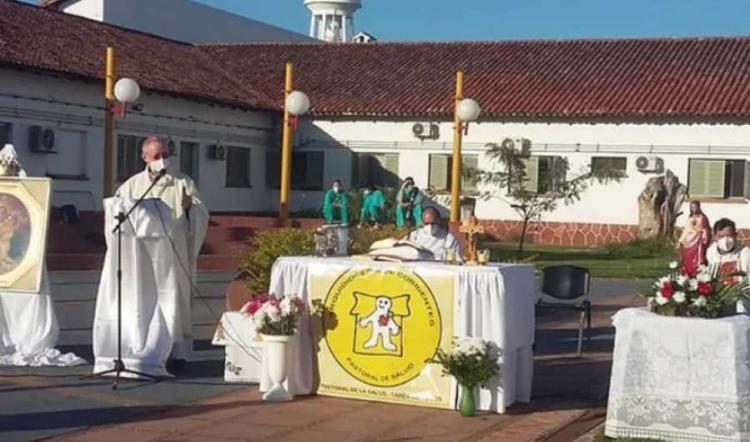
(109, 122)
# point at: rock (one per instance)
(659, 205)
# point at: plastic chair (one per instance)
(568, 283)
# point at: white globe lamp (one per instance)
(297, 103)
(127, 90)
(468, 110)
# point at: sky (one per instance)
(390, 20)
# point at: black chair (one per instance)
(569, 283)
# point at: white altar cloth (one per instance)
(680, 379)
(493, 302)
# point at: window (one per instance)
(189, 159)
(129, 161)
(719, 178)
(441, 167)
(6, 134)
(379, 169)
(307, 170)
(238, 167)
(617, 164)
(545, 174)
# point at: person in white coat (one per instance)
(190, 223)
(729, 255)
(434, 237)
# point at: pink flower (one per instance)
(274, 302)
(251, 307)
(667, 290)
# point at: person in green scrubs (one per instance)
(336, 205)
(373, 207)
(409, 204)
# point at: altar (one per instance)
(375, 326)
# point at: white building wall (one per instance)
(73, 110)
(614, 203)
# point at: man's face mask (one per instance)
(336, 188)
(726, 243)
(159, 165)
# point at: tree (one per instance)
(512, 182)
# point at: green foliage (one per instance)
(640, 248)
(361, 239)
(471, 361)
(267, 246)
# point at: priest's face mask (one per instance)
(431, 220)
(156, 156)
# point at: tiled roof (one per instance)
(685, 79)
(694, 78)
(35, 38)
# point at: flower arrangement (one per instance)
(704, 294)
(472, 361)
(9, 166)
(275, 316)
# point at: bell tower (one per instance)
(333, 20)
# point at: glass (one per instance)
(450, 256)
(484, 256)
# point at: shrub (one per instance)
(640, 248)
(266, 247)
(360, 240)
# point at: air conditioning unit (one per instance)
(426, 130)
(41, 140)
(217, 152)
(649, 164)
(522, 145)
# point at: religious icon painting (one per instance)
(24, 211)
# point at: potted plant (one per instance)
(706, 293)
(472, 362)
(276, 320)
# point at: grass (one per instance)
(640, 260)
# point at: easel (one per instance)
(471, 229)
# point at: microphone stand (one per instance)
(119, 366)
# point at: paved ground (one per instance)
(38, 403)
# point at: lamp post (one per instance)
(296, 104)
(125, 91)
(466, 110)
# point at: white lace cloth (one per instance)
(493, 302)
(680, 379)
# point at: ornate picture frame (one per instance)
(24, 215)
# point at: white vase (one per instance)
(275, 359)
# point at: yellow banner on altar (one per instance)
(377, 332)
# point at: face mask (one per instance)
(336, 189)
(367, 192)
(726, 243)
(158, 165)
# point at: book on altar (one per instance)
(391, 249)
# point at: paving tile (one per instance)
(322, 436)
(239, 431)
(115, 434)
(165, 424)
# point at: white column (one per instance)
(345, 29)
(312, 26)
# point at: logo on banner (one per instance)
(382, 326)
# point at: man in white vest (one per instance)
(190, 223)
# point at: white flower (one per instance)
(682, 279)
(679, 297)
(704, 277)
(274, 314)
(661, 300)
(287, 306)
(663, 280)
(673, 265)
(700, 301)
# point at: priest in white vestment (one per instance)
(434, 237)
(729, 255)
(28, 324)
(187, 227)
